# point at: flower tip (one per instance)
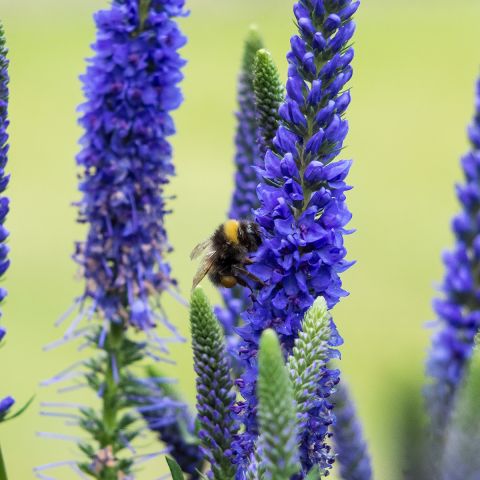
(320, 302)
(269, 339)
(263, 54)
(197, 290)
(253, 36)
(5, 405)
(198, 295)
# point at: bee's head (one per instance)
(249, 235)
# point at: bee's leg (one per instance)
(228, 281)
(248, 261)
(244, 284)
(247, 274)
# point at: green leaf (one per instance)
(175, 469)
(278, 446)
(3, 469)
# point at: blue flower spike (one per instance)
(303, 212)
(131, 87)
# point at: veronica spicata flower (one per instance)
(303, 211)
(7, 402)
(244, 199)
(459, 309)
(131, 86)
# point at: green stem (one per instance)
(144, 8)
(3, 470)
(111, 406)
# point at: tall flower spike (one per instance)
(277, 444)
(7, 402)
(269, 95)
(244, 199)
(459, 309)
(303, 212)
(247, 155)
(215, 392)
(308, 368)
(350, 446)
(131, 87)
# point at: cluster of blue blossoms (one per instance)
(7, 402)
(303, 212)
(131, 86)
(459, 309)
(294, 187)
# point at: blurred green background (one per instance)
(412, 97)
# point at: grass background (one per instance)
(412, 98)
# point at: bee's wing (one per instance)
(200, 248)
(207, 262)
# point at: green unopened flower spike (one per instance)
(215, 392)
(253, 44)
(311, 353)
(269, 95)
(277, 447)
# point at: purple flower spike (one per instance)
(131, 87)
(459, 309)
(7, 402)
(244, 200)
(303, 212)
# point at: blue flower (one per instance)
(7, 402)
(131, 87)
(303, 212)
(4, 148)
(458, 310)
(5, 405)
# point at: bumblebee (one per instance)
(225, 254)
